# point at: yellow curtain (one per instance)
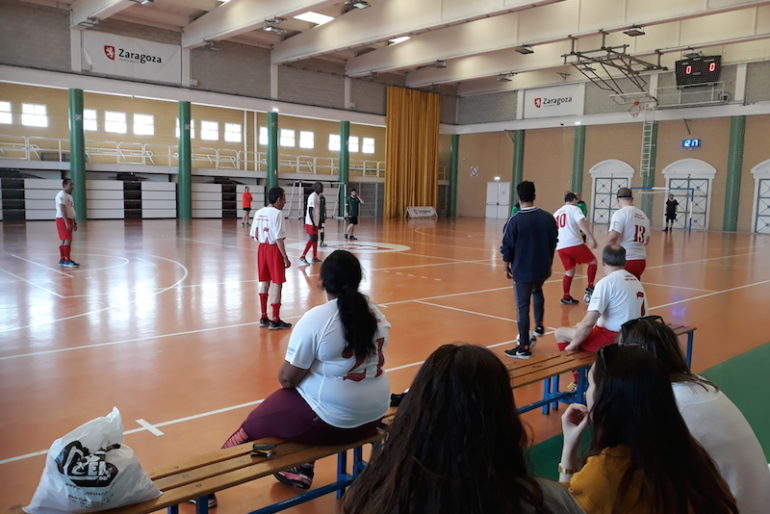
(411, 135)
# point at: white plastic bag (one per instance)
(90, 469)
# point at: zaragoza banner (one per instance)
(122, 56)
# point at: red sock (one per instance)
(566, 283)
(315, 249)
(67, 249)
(591, 275)
(307, 247)
(62, 253)
(276, 309)
(561, 346)
(263, 304)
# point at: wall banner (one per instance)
(554, 101)
(123, 56)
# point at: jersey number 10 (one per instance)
(561, 220)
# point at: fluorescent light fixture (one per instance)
(275, 109)
(524, 49)
(577, 123)
(357, 4)
(273, 29)
(505, 77)
(634, 31)
(143, 2)
(398, 40)
(89, 23)
(497, 179)
(314, 17)
(209, 45)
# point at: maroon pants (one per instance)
(286, 415)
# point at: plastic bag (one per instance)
(90, 469)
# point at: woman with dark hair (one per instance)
(642, 457)
(714, 421)
(456, 446)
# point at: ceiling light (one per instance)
(357, 4)
(314, 17)
(398, 40)
(209, 45)
(577, 123)
(273, 29)
(143, 2)
(634, 31)
(89, 23)
(524, 49)
(505, 77)
(437, 64)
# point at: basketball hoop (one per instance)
(635, 109)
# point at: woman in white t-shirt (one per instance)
(714, 421)
(334, 387)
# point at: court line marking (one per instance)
(678, 287)
(30, 283)
(60, 272)
(150, 428)
(713, 293)
(466, 311)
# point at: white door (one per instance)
(498, 200)
(699, 198)
(762, 222)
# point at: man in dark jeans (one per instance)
(529, 242)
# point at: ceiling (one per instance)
(467, 44)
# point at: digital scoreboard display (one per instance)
(698, 70)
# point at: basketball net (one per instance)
(635, 109)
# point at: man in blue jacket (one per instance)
(529, 242)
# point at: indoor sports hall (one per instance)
(162, 113)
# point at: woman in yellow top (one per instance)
(642, 458)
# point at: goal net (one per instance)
(652, 200)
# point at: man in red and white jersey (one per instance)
(65, 222)
(617, 298)
(272, 261)
(570, 247)
(312, 223)
(630, 228)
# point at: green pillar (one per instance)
(77, 153)
(184, 178)
(272, 150)
(344, 165)
(518, 162)
(578, 159)
(648, 175)
(734, 165)
(453, 160)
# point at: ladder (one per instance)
(648, 148)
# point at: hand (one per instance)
(594, 244)
(286, 262)
(508, 272)
(74, 226)
(572, 347)
(573, 423)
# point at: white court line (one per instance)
(711, 294)
(678, 287)
(434, 257)
(699, 260)
(466, 311)
(30, 283)
(150, 428)
(60, 272)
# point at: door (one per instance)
(498, 200)
(762, 223)
(700, 201)
(605, 189)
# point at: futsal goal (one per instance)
(652, 200)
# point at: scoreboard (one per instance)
(698, 70)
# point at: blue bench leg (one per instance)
(546, 395)
(555, 390)
(582, 385)
(690, 339)
(358, 460)
(342, 471)
(174, 509)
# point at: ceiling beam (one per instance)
(541, 25)
(82, 10)
(239, 16)
(203, 5)
(388, 19)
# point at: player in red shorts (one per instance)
(571, 249)
(65, 222)
(312, 223)
(630, 228)
(272, 261)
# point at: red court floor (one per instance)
(161, 321)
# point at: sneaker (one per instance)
(70, 264)
(302, 260)
(278, 324)
(346, 236)
(519, 353)
(323, 245)
(532, 340)
(569, 301)
(589, 292)
(316, 261)
(212, 501)
(299, 476)
(263, 322)
(62, 262)
(539, 330)
(572, 387)
(353, 238)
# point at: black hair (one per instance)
(65, 182)
(456, 445)
(318, 187)
(275, 194)
(354, 189)
(570, 197)
(340, 276)
(625, 192)
(526, 191)
(614, 255)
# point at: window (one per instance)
(353, 144)
(233, 132)
(306, 139)
(6, 115)
(115, 122)
(192, 128)
(89, 119)
(210, 130)
(288, 138)
(367, 145)
(334, 142)
(34, 115)
(263, 135)
(144, 124)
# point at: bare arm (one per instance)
(613, 237)
(582, 330)
(290, 376)
(583, 224)
(282, 249)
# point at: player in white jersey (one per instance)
(630, 228)
(272, 261)
(571, 248)
(313, 222)
(65, 222)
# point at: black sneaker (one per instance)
(263, 322)
(316, 261)
(518, 353)
(323, 245)
(353, 238)
(589, 292)
(540, 331)
(278, 325)
(212, 501)
(302, 260)
(300, 476)
(569, 301)
(346, 236)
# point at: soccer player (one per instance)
(529, 241)
(246, 205)
(65, 222)
(671, 206)
(630, 228)
(312, 222)
(617, 298)
(272, 261)
(351, 213)
(322, 220)
(571, 249)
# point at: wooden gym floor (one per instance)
(161, 321)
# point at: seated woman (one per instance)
(334, 388)
(642, 458)
(456, 446)
(714, 421)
